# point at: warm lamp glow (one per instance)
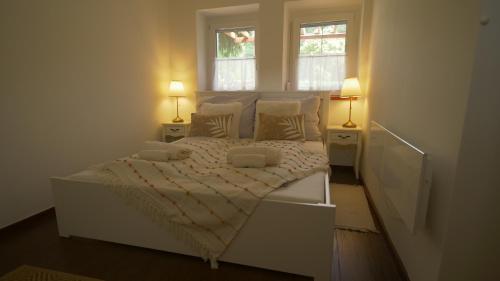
(350, 88)
(176, 89)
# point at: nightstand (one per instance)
(174, 131)
(344, 146)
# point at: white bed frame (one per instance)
(284, 236)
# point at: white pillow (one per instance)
(279, 108)
(310, 107)
(234, 108)
(247, 100)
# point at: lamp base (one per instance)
(349, 124)
(178, 120)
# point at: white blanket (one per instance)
(175, 152)
(272, 155)
(202, 199)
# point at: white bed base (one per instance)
(283, 236)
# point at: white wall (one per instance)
(79, 85)
(314, 10)
(84, 82)
(339, 112)
(472, 247)
(183, 49)
(207, 22)
(273, 19)
(421, 57)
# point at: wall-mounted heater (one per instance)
(404, 175)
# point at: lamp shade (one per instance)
(350, 88)
(176, 89)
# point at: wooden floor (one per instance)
(357, 256)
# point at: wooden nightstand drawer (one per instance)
(171, 139)
(343, 137)
(344, 146)
(175, 131)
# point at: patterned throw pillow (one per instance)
(287, 127)
(215, 126)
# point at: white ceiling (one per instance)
(308, 4)
(230, 10)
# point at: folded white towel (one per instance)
(176, 152)
(154, 155)
(249, 161)
(272, 155)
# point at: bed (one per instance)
(300, 242)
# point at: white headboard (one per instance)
(323, 109)
(404, 174)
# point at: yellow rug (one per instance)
(352, 212)
(31, 273)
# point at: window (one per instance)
(321, 61)
(234, 64)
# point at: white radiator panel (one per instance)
(404, 174)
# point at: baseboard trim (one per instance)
(383, 231)
(26, 218)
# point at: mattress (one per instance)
(310, 189)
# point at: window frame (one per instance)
(229, 23)
(347, 18)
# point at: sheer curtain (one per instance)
(321, 72)
(233, 74)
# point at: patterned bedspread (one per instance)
(203, 200)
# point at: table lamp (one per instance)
(350, 89)
(176, 90)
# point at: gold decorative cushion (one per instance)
(215, 126)
(286, 127)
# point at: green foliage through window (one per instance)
(323, 39)
(236, 43)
